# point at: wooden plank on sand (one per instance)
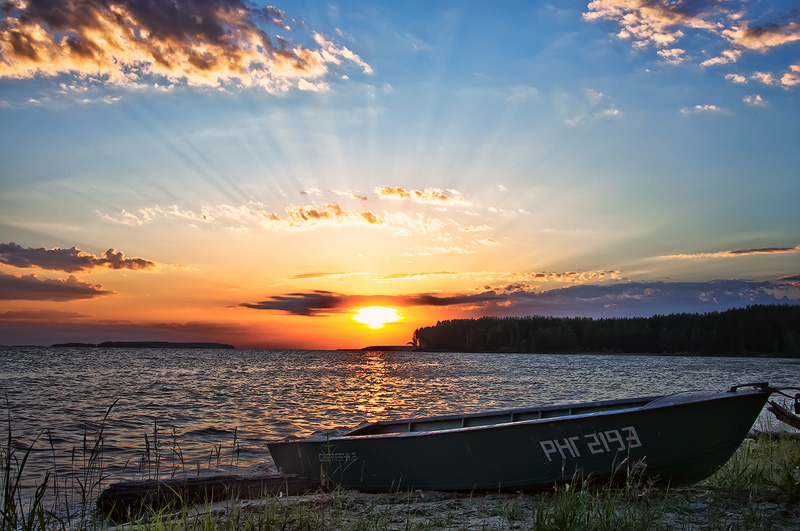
(131, 499)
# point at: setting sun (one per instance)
(377, 316)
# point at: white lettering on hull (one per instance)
(330, 457)
(592, 443)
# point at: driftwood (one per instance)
(129, 500)
(774, 435)
(783, 414)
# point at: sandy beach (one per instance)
(698, 507)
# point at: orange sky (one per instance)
(254, 174)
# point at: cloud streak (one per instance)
(318, 303)
(32, 288)
(734, 253)
(428, 196)
(71, 260)
(294, 218)
(131, 43)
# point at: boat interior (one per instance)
(451, 422)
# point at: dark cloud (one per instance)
(736, 252)
(39, 315)
(311, 303)
(68, 260)
(630, 299)
(791, 280)
(130, 42)
(643, 299)
(181, 20)
(31, 288)
(765, 250)
(316, 303)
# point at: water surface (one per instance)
(207, 410)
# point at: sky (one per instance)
(257, 174)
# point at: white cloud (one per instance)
(736, 78)
(754, 100)
(702, 109)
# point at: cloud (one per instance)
(318, 303)
(335, 54)
(350, 194)
(591, 105)
(71, 260)
(40, 315)
(791, 78)
(514, 281)
(312, 191)
(129, 43)
(533, 280)
(673, 56)
(651, 22)
(31, 288)
(294, 218)
(643, 299)
(787, 79)
(764, 77)
(663, 23)
(423, 275)
(302, 217)
(762, 38)
(726, 57)
(316, 275)
(473, 228)
(702, 109)
(628, 299)
(428, 196)
(309, 304)
(252, 214)
(754, 99)
(734, 253)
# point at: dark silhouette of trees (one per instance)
(758, 330)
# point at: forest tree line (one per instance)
(758, 330)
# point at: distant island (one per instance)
(144, 344)
(391, 348)
(757, 330)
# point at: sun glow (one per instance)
(377, 316)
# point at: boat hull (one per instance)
(676, 439)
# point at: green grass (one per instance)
(759, 488)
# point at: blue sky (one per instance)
(233, 169)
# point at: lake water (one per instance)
(207, 411)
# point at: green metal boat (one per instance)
(679, 438)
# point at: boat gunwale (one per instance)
(650, 403)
